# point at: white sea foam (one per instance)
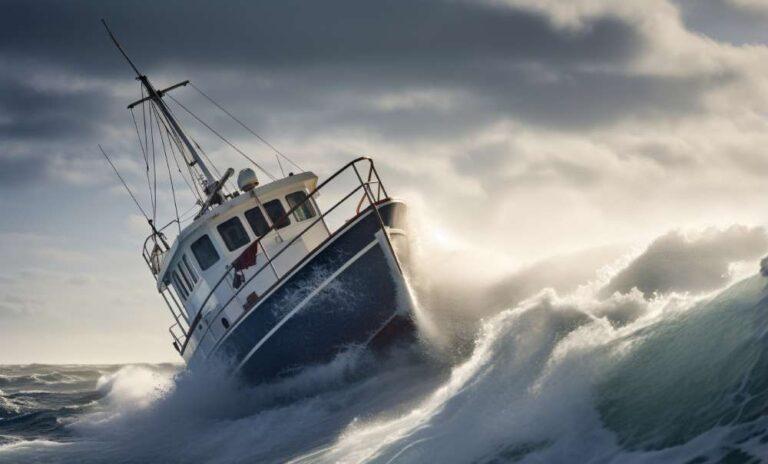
(557, 376)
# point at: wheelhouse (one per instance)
(207, 248)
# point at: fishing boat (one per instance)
(265, 277)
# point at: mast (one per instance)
(157, 97)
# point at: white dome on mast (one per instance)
(247, 180)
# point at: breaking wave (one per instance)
(612, 365)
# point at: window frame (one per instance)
(225, 238)
(180, 290)
(247, 215)
(187, 281)
(306, 208)
(192, 272)
(213, 247)
(274, 220)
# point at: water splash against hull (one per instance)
(582, 377)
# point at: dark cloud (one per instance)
(39, 113)
(301, 69)
(310, 67)
(725, 20)
(16, 172)
(292, 32)
(674, 262)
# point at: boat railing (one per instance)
(373, 193)
(153, 251)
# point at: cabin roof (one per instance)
(263, 191)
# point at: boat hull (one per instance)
(346, 293)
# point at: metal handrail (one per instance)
(367, 195)
(246, 282)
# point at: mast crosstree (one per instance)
(202, 171)
(157, 97)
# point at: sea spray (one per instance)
(557, 375)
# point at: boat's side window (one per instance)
(171, 284)
(204, 252)
(179, 287)
(189, 268)
(233, 233)
(305, 211)
(184, 278)
(276, 213)
(257, 222)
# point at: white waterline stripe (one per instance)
(306, 299)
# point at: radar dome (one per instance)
(247, 180)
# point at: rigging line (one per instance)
(124, 183)
(184, 217)
(146, 144)
(141, 145)
(168, 165)
(192, 139)
(215, 169)
(280, 165)
(188, 214)
(173, 140)
(144, 120)
(204, 154)
(229, 181)
(277, 152)
(223, 139)
(154, 162)
(191, 183)
(196, 178)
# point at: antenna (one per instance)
(117, 44)
(157, 98)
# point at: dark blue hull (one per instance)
(345, 293)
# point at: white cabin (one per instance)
(205, 251)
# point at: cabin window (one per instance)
(179, 287)
(204, 252)
(233, 233)
(181, 283)
(189, 268)
(276, 213)
(303, 212)
(184, 278)
(257, 222)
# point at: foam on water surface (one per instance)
(568, 375)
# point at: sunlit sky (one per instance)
(521, 129)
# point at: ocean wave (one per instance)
(567, 374)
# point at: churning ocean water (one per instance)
(574, 378)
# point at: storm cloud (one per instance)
(530, 128)
(680, 263)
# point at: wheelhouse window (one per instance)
(276, 213)
(204, 252)
(303, 212)
(233, 233)
(189, 268)
(257, 221)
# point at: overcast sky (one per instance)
(525, 128)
